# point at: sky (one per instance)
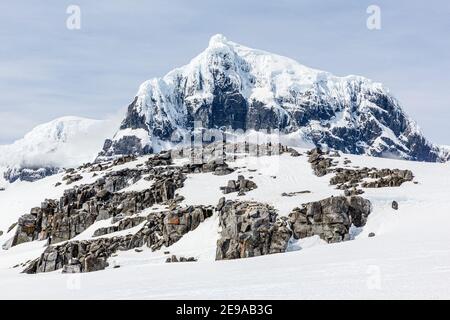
(48, 71)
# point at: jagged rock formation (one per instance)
(28, 174)
(161, 229)
(216, 166)
(250, 229)
(293, 194)
(247, 228)
(350, 178)
(329, 218)
(319, 162)
(241, 185)
(71, 178)
(174, 258)
(123, 224)
(80, 207)
(232, 87)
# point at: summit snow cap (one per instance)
(217, 39)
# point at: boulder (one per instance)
(250, 229)
(319, 163)
(241, 185)
(395, 205)
(94, 263)
(27, 229)
(330, 218)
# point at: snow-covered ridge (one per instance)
(63, 142)
(231, 86)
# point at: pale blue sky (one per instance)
(47, 71)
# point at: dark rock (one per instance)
(319, 162)
(174, 258)
(395, 205)
(12, 227)
(350, 178)
(26, 230)
(330, 218)
(124, 224)
(94, 263)
(292, 194)
(81, 206)
(240, 185)
(220, 204)
(250, 229)
(71, 178)
(127, 145)
(371, 235)
(353, 192)
(29, 174)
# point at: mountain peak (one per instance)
(230, 86)
(217, 39)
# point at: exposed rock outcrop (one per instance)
(250, 229)
(319, 162)
(240, 185)
(379, 178)
(161, 229)
(330, 218)
(80, 207)
(123, 224)
(28, 174)
(395, 205)
(349, 179)
(295, 193)
(174, 258)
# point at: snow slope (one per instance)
(63, 142)
(408, 258)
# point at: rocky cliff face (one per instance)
(27, 174)
(230, 87)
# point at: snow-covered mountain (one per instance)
(64, 142)
(229, 86)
